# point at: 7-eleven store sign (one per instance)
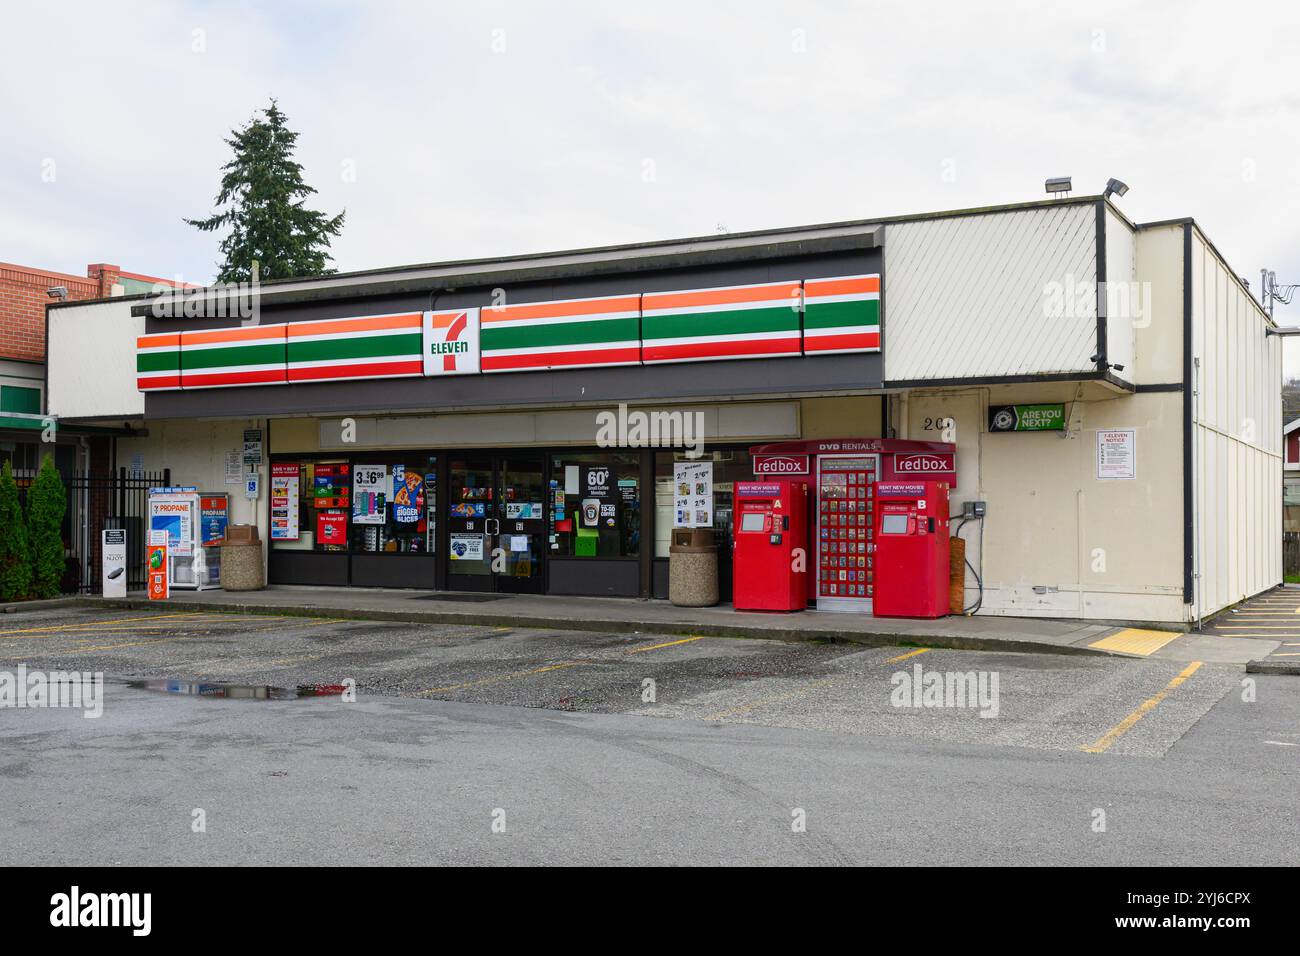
(451, 342)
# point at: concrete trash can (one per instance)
(241, 559)
(693, 568)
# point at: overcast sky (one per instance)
(454, 130)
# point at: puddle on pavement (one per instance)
(187, 688)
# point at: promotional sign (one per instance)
(284, 501)
(1116, 454)
(112, 551)
(781, 465)
(466, 547)
(213, 517)
(1027, 418)
(693, 494)
(331, 528)
(156, 566)
(408, 495)
(845, 501)
(451, 342)
(370, 491)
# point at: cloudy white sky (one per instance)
(478, 129)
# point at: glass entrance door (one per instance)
(496, 527)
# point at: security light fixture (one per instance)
(57, 292)
(1061, 184)
(1116, 187)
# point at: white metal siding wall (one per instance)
(1237, 430)
(1123, 296)
(965, 296)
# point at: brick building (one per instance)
(24, 293)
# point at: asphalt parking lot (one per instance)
(1101, 705)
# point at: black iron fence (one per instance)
(97, 502)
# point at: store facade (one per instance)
(513, 425)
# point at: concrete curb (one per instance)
(1273, 667)
(616, 626)
(18, 607)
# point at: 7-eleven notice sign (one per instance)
(451, 342)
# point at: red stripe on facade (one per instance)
(157, 382)
(851, 340)
(356, 370)
(273, 376)
(737, 349)
(496, 363)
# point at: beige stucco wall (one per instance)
(195, 451)
(1097, 549)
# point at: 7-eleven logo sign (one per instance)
(451, 342)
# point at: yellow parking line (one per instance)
(1286, 654)
(1148, 705)
(655, 647)
(903, 657)
(85, 624)
(776, 698)
(500, 677)
(1133, 640)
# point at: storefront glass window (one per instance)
(596, 505)
(380, 504)
(729, 466)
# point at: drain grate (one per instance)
(463, 598)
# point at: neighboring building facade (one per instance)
(1130, 456)
(24, 293)
(1291, 476)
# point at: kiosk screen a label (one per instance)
(844, 506)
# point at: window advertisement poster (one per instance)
(466, 547)
(1116, 454)
(408, 495)
(284, 501)
(693, 494)
(331, 528)
(370, 492)
(214, 514)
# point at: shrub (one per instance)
(46, 503)
(15, 557)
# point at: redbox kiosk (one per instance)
(770, 541)
(911, 549)
(842, 475)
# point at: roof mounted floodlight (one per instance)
(1060, 184)
(1116, 187)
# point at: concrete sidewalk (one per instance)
(624, 615)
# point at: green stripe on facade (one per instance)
(157, 361)
(545, 334)
(272, 354)
(739, 322)
(837, 314)
(399, 345)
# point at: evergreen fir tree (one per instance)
(15, 559)
(261, 204)
(46, 503)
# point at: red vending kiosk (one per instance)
(911, 549)
(770, 542)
